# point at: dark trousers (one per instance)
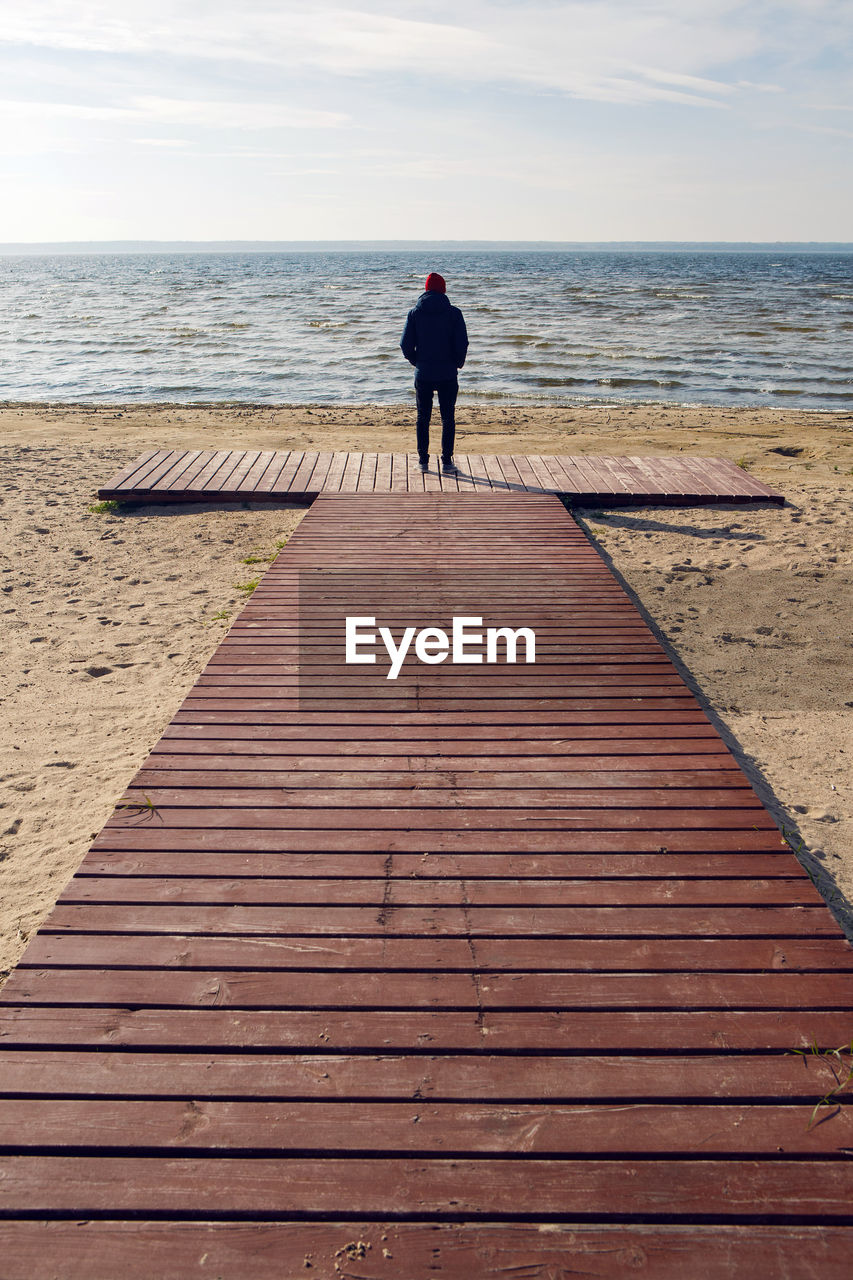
(448, 389)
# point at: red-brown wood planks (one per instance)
(488, 967)
(440, 1187)
(369, 1250)
(362, 1128)
(192, 475)
(531, 1031)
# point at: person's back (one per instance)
(435, 341)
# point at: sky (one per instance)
(489, 120)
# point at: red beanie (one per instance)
(435, 283)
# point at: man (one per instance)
(435, 341)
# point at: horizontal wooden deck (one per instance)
(196, 475)
(487, 970)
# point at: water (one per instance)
(547, 327)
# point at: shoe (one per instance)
(424, 463)
(448, 466)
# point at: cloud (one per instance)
(760, 88)
(161, 142)
(235, 115)
(170, 111)
(604, 50)
(826, 130)
(24, 109)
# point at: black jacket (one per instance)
(435, 339)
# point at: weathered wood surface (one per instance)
(374, 1250)
(182, 475)
(490, 969)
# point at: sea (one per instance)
(671, 326)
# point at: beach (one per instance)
(109, 617)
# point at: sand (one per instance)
(108, 619)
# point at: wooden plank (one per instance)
(425, 732)
(166, 792)
(519, 1031)
(600, 717)
(702, 473)
(602, 480)
(432, 478)
(399, 473)
(622, 477)
(335, 473)
(669, 821)
(563, 480)
(388, 889)
(595, 486)
(260, 989)
(682, 482)
(228, 477)
(382, 482)
(746, 483)
(493, 469)
(445, 954)
(459, 865)
(433, 840)
(515, 948)
(400, 700)
(366, 482)
(315, 481)
(349, 477)
(479, 478)
(252, 478)
(301, 479)
(508, 473)
(590, 478)
(435, 1077)
(87, 1250)
(526, 475)
(433, 1128)
(150, 465)
(284, 479)
(647, 475)
(210, 755)
(182, 478)
(464, 478)
(181, 471)
(123, 477)
(437, 1187)
(415, 482)
(267, 482)
(448, 481)
(577, 482)
(449, 920)
(219, 459)
(162, 466)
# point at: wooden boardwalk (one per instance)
(182, 475)
(485, 970)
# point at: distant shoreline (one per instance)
(38, 248)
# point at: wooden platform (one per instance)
(488, 970)
(180, 475)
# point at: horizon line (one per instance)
(413, 246)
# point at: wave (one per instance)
(795, 328)
(624, 327)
